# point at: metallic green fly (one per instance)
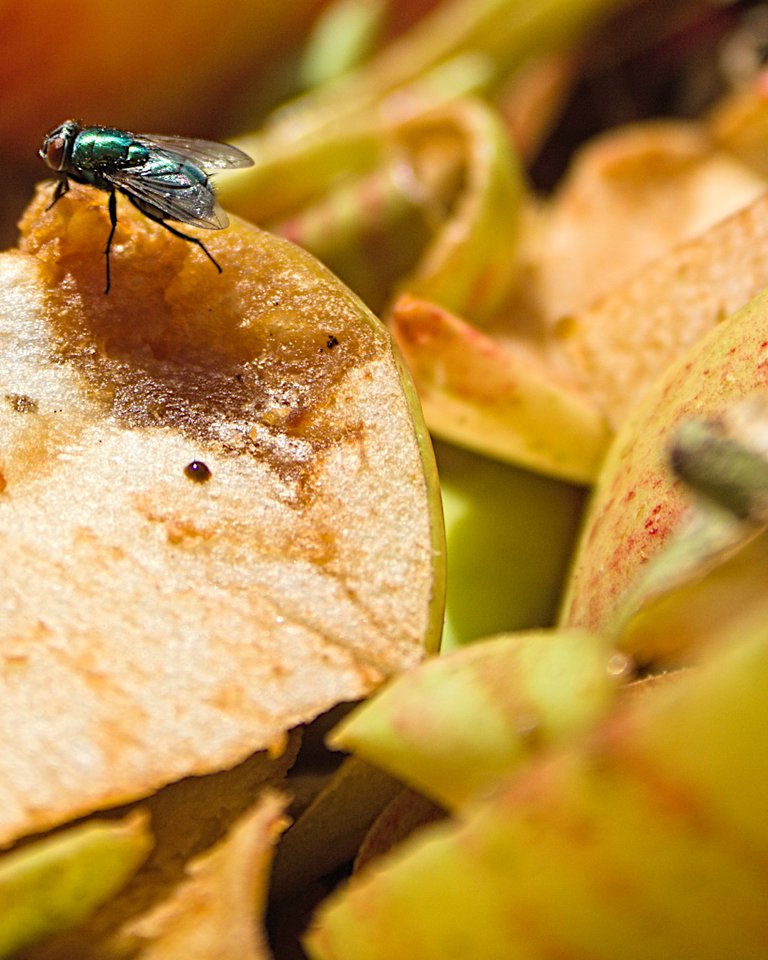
(164, 177)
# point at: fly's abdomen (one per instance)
(99, 148)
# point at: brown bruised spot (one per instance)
(180, 531)
(21, 403)
(231, 361)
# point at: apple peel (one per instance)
(455, 726)
(632, 333)
(638, 503)
(56, 882)
(502, 400)
(470, 266)
(711, 573)
(329, 832)
(509, 538)
(647, 839)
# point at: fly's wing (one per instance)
(207, 154)
(169, 187)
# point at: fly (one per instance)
(164, 177)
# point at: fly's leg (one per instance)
(178, 233)
(184, 236)
(62, 186)
(112, 207)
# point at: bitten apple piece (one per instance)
(647, 840)
(219, 513)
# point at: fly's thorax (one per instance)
(103, 147)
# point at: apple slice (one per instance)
(630, 197)
(632, 334)
(220, 513)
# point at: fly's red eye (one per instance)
(54, 152)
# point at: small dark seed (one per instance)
(332, 342)
(197, 471)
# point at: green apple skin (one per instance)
(54, 883)
(509, 536)
(646, 840)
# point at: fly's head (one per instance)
(57, 145)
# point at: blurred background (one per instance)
(200, 68)
(185, 66)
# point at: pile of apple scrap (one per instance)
(587, 821)
(587, 813)
(656, 234)
(583, 820)
(164, 627)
